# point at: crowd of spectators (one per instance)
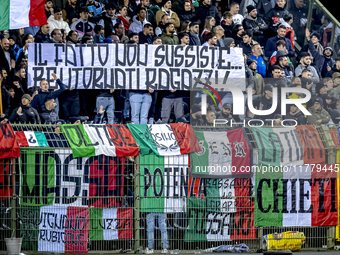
(266, 30)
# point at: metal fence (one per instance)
(123, 198)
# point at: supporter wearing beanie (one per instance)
(324, 62)
(256, 25)
(166, 9)
(25, 113)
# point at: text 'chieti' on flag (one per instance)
(296, 196)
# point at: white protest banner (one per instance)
(135, 66)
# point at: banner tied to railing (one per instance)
(128, 140)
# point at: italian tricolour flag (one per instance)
(31, 139)
(21, 13)
(165, 139)
(304, 195)
(63, 229)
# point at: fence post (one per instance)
(137, 206)
(330, 237)
(260, 237)
(309, 16)
(14, 197)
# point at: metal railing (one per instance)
(121, 197)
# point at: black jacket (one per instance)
(298, 14)
(272, 17)
(299, 117)
(71, 13)
(255, 25)
(108, 26)
(42, 38)
(177, 6)
(267, 104)
(246, 49)
(144, 38)
(228, 30)
(207, 10)
(190, 16)
(6, 101)
(29, 115)
(19, 92)
(263, 7)
(3, 60)
(319, 60)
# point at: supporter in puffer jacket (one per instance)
(25, 113)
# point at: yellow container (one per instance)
(289, 240)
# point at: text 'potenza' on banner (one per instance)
(130, 66)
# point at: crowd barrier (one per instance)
(60, 196)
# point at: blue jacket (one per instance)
(271, 46)
(39, 100)
(261, 65)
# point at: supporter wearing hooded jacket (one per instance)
(139, 21)
(56, 21)
(305, 63)
(168, 36)
(319, 114)
(107, 19)
(323, 62)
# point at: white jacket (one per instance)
(137, 26)
(57, 24)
